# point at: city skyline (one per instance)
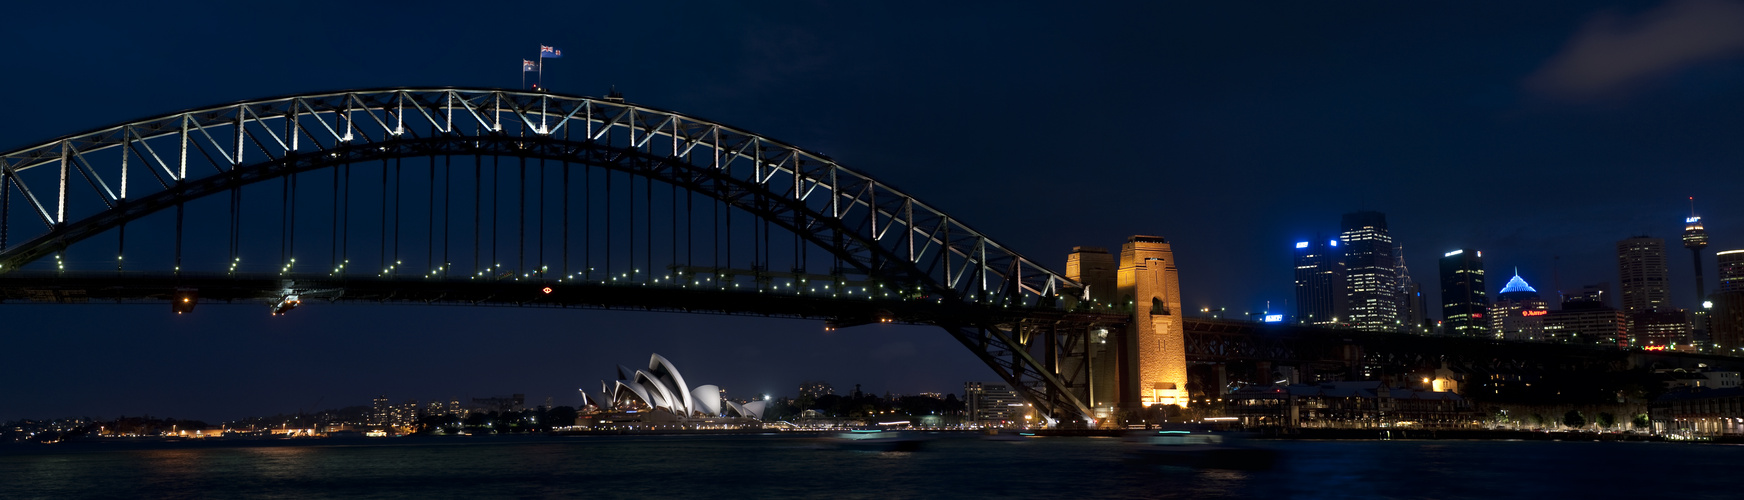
(1266, 125)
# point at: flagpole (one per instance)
(541, 69)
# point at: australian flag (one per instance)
(548, 52)
(528, 66)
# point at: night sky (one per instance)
(1538, 132)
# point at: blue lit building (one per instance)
(1518, 313)
(1320, 293)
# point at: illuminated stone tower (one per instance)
(1093, 267)
(1148, 279)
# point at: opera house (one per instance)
(658, 398)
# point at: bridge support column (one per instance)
(1149, 283)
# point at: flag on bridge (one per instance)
(528, 66)
(549, 52)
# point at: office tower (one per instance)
(1157, 343)
(1642, 275)
(1518, 313)
(1412, 311)
(1599, 293)
(1726, 317)
(992, 405)
(1094, 268)
(1320, 295)
(1660, 329)
(1463, 301)
(1587, 318)
(1370, 278)
(380, 410)
(1731, 270)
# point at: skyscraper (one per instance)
(1518, 313)
(1642, 274)
(1463, 301)
(1371, 280)
(1731, 270)
(1587, 318)
(1320, 295)
(1726, 318)
(1413, 312)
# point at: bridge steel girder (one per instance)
(837, 209)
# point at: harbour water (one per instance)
(778, 466)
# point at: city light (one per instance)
(1301, 244)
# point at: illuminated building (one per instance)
(1587, 319)
(1661, 329)
(1095, 268)
(1731, 270)
(815, 389)
(992, 405)
(1413, 310)
(1156, 347)
(1695, 239)
(379, 411)
(1642, 274)
(1463, 301)
(1699, 411)
(1371, 281)
(1518, 313)
(1352, 404)
(1320, 295)
(659, 395)
(1726, 316)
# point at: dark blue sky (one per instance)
(1530, 131)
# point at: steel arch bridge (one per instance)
(201, 190)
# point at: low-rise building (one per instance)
(1361, 404)
(993, 405)
(1698, 411)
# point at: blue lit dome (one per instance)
(1518, 285)
(1517, 289)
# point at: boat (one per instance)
(876, 440)
(1203, 450)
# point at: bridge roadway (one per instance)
(837, 311)
(1208, 341)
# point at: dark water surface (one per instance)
(788, 467)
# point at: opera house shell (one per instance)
(662, 387)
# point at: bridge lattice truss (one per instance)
(906, 260)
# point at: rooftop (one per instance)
(1518, 285)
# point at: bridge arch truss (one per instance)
(96, 183)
